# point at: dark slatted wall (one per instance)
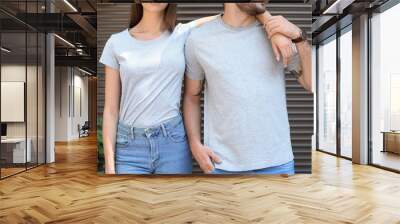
(113, 17)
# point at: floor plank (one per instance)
(70, 191)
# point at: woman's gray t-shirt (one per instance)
(151, 74)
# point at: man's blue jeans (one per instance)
(287, 168)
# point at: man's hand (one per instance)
(205, 157)
(282, 46)
(279, 24)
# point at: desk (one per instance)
(18, 150)
(391, 141)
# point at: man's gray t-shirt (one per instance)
(245, 115)
(151, 74)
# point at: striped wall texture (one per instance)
(113, 17)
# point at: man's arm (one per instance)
(191, 108)
(192, 116)
(305, 76)
(281, 44)
(280, 25)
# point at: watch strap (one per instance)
(301, 38)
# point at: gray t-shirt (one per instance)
(245, 115)
(151, 74)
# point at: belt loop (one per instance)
(164, 130)
(132, 132)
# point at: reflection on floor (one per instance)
(387, 159)
(70, 191)
(9, 170)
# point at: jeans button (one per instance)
(147, 132)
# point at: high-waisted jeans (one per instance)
(162, 149)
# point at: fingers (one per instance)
(207, 167)
(287, 55)
(213, 156)
(285, 58)
(272, 29)
(276, 52)
(206, 163)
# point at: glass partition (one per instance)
(385, 89)
(22, 88)
(346, 93)
(327, 96)
(14, 153)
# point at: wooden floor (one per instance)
(70, 191)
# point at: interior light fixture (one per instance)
(65, 41)
(338, 6)
(84, 71)
(70, 5)
(5, 50)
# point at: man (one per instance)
(246, 128)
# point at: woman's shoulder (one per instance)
(118, 36)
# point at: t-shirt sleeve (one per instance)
(294, 65)
(194, 70)
(108, 57)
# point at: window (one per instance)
(22, 77)
(385, 89)
(327, 96)
(346, 93)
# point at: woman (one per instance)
(143, 131)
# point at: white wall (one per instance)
(67, 114)
(62, 81)
(16, 73)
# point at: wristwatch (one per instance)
(302, 37)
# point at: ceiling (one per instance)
(74, 21)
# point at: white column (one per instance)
(50, 93)
(360, 90)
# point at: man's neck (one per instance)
(235, 17)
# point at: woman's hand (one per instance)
(110, 170)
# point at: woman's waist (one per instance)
(143, 124)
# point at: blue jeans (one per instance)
(287, 168)
(162, 149)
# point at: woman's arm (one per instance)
(201, 21)
(110, 117)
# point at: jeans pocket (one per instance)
(122, 140)
(177, 133)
